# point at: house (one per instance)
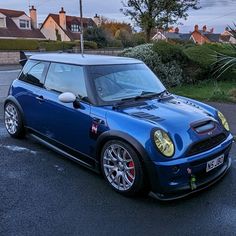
(204, 36)
(227, 36)
(18, 25)
(172, 34)
(64, 28)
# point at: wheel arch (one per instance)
(12, 99)
(140, 150)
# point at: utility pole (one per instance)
(81, 28)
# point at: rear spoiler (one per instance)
(24, 57)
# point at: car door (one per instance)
(31, 80)
(63, 123)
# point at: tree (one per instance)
(149, 14)
(112, 26)
(97, 35)
(125, 37)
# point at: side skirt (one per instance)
(72, 154)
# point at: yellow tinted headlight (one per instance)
(164, 143)
(223, 120)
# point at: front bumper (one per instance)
(173, 177)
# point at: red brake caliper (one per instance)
(131, 164)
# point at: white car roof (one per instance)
(78, 59)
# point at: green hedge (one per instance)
(18, 44)
(57, 46)
(169, 52)
(32, 45)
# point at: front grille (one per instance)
(206, 144)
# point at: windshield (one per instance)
(119, 82)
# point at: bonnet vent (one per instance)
(146, 116)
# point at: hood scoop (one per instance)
(146, 116)
(204, 126)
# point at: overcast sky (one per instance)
(215, 14)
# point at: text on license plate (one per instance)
(214, 163)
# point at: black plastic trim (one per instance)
(63, 149)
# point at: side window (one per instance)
(66, 78)
(34, 72)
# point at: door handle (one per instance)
(40, 98)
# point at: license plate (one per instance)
(214, 163)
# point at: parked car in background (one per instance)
(113, 115)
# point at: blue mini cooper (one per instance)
(113, 115)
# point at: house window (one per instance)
(75, 28)
(2, 22)
(24, 24)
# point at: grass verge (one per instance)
(222, 91)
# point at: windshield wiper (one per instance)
(144, 94)
(148, 94)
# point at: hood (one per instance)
(170, 112)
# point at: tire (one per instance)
(13, 120)
(122, 168)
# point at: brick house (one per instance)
(204, 36)
(63, 27)
(18, 25)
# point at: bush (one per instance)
(177, 64)
(138, 38)
(18, 44)
(169, 52)
(56, 46)
(202, 60)
(63, 46)
(115, 43)
(32, 45)
(90, 45)
(97, 35)
(203, 56)
(170, 73)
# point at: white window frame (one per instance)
(75, 28)
(3, 19)
(26, 22)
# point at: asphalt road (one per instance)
(7, 75)
(43, 193)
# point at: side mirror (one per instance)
(67, 97)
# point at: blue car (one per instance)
(114, 116)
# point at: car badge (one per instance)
(94, 128)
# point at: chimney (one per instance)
(97, 19)
(204, 28)
(62, 18)
(33, 16)
(196, 28)
(176, 30)
(171, 29)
